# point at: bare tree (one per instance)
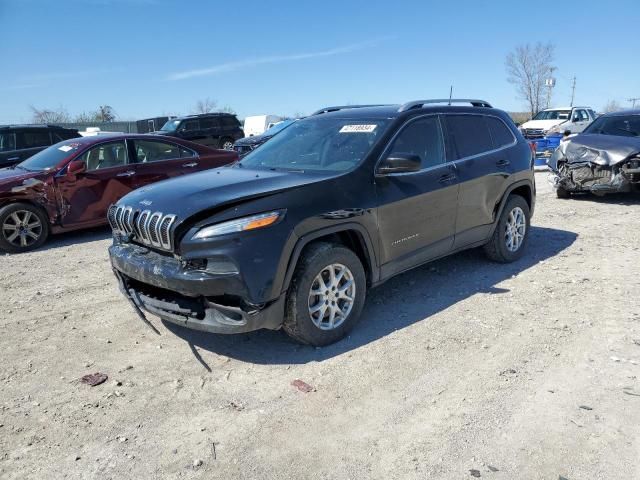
(106, 113)
(43, 115)
(528, 66)
(611, 106)
(227, 109)
(205, 105)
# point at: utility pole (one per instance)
(550, 83)
(573, 90)
(633, 101)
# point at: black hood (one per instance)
(192, 194)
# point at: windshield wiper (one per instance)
(295, 170)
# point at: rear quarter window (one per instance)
(500, 133)
(33, 139)
(469, 135)
(230, 122)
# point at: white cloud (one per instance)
(252, 62)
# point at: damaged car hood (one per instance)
(190, 194)
(15, 177)
(606, 150)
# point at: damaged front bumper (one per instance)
(212, 302)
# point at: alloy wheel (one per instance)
(22, 228)
(331, 296)
(516, 229)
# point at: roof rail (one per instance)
(449, 101)
(344, 107)
(31, 125)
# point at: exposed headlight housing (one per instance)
(244, 224)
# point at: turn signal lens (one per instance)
(262, 222)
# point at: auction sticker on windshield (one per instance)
(358, 128)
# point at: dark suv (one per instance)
(19, 142)
(216, 130)
(294, 234)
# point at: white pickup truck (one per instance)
(558, 120)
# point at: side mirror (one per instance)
(76, 167)
(400, 163)
(575, 119)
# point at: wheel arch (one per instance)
(523, 188)
(352, 235)
(27, 201)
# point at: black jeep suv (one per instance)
(19, 142)
(216, 130)
(294, 234)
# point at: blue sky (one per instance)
(154, 57)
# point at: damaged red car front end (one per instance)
(70, 185)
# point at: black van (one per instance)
(19, 142)
(216, 130)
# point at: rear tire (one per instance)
(322, 307)
(23, 227)
(509, 239)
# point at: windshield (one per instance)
(50, 157)
(170, 126)
(318, 144)
(552, 115)
(278, 126)
(619, 125)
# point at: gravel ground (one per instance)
(459, 369)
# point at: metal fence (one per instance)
(125, 127)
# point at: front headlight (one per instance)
(240, 225)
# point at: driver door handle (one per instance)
(190, 165)
(503, 162)
(128, 173)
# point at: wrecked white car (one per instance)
(605, 158)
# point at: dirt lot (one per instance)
(459, 369)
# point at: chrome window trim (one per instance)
(451, 162)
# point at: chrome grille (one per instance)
(153, 229)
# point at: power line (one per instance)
(633, 101)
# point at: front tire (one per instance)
(326, 296)
(562, 192)
(509, 239)
(23, 227)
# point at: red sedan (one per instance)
(70, 185)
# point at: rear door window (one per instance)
(469, 135)
(500, 133)
(34, 138)
(422, 137)
(230, 122)
(152, 151)
(210, 123)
